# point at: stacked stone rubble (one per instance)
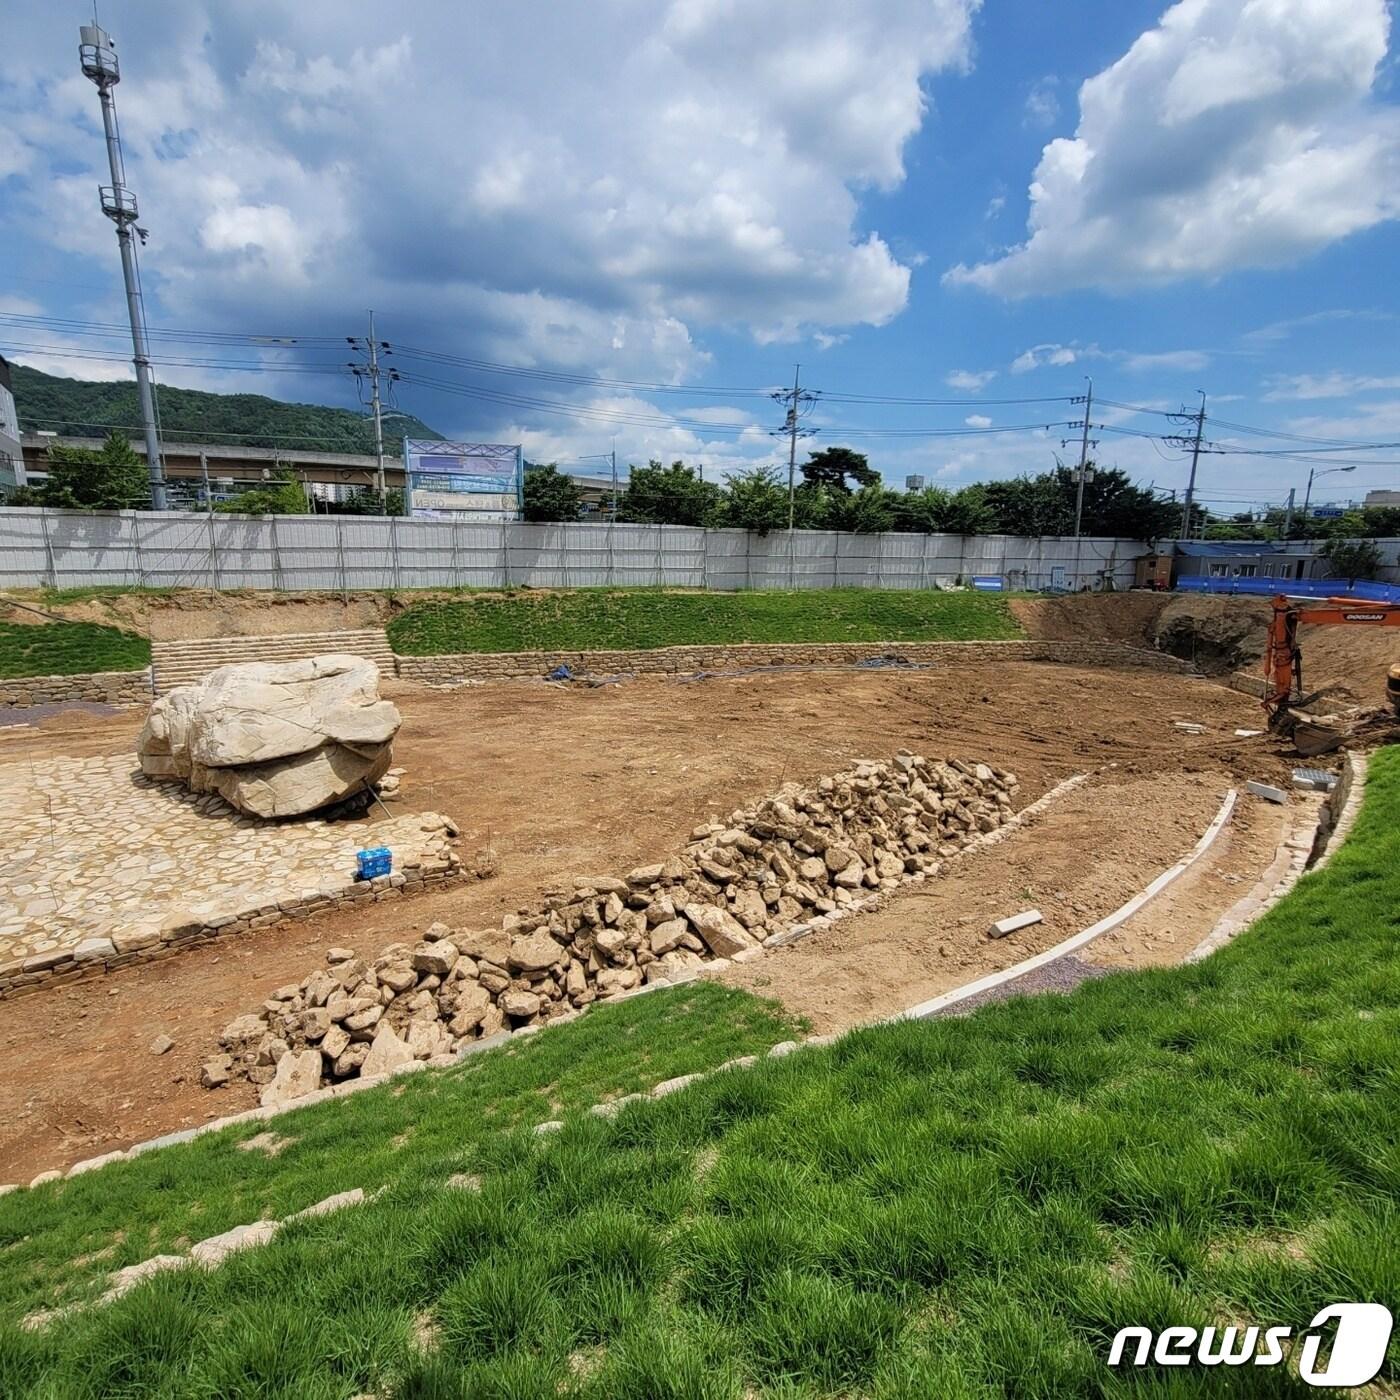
(801, 853)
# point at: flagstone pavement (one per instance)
(92, 849)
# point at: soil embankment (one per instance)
(1217, 635)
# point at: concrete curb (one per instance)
(1292, 862)
(1352, 792)
(934, 1005)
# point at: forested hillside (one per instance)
(89, 409)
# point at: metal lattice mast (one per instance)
(98, 59)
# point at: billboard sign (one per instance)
(482, 480)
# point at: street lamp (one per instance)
(1324, 472)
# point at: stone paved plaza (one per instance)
(91, 850)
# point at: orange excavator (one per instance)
(1283, 659)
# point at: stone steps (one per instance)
(177, 663)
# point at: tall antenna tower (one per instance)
(98, 59)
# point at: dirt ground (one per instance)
(571, 780)
(934, 938)
(1218, 635)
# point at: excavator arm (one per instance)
(1283, 658)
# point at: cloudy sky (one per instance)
(657, 209)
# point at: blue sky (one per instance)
(659, 208)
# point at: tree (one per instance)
(969, 513)
(281, 495)
(1045, 505)
(936, 511)
(870, 511)
(756, 500)
(832, 465)
(112, 478)
(673, 495)
(1352, 559)
(813, 507)
(550, 494)
(364, 500)
(82, 408)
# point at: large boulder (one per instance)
(274, 739)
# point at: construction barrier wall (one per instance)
(179, 549)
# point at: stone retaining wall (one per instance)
(99, 955)
(105, 687)
(682, 660)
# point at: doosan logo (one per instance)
(1358, 1332)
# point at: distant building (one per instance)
(1381, 498)
(11, 453)
(230, 469)
(1246, 559)
(595, 495)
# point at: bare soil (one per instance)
(1084, 857)
(1218, 635)
(568, 780)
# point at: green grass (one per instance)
(969, 1207)
(106, 590)
(69, 649)
(600, 619)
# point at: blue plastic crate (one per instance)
(373, 862)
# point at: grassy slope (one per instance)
(968, 1207)
(600, 618)
(68, 649)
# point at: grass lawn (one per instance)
(68, 649)
(592, 619)
(969, 1207)
(50, 596)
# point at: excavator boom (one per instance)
(1283, 659)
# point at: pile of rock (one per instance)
(802, 853)
(274, 739)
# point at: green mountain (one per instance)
(86, 408)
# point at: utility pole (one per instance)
(374, 372)
(792, 445)
(1195, 442)
(98, 59)
(1081, 476)
(613, 455)
(378, 416)
(794, 398)
(1288, 514)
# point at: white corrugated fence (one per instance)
(73, 549)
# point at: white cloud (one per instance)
(970, 381)
(1188, 361)
(298, 161)
(1335, 385)
(1043, 102)
(1236, 133)
(1279, 331)
(977, 420)
(1058, 356)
